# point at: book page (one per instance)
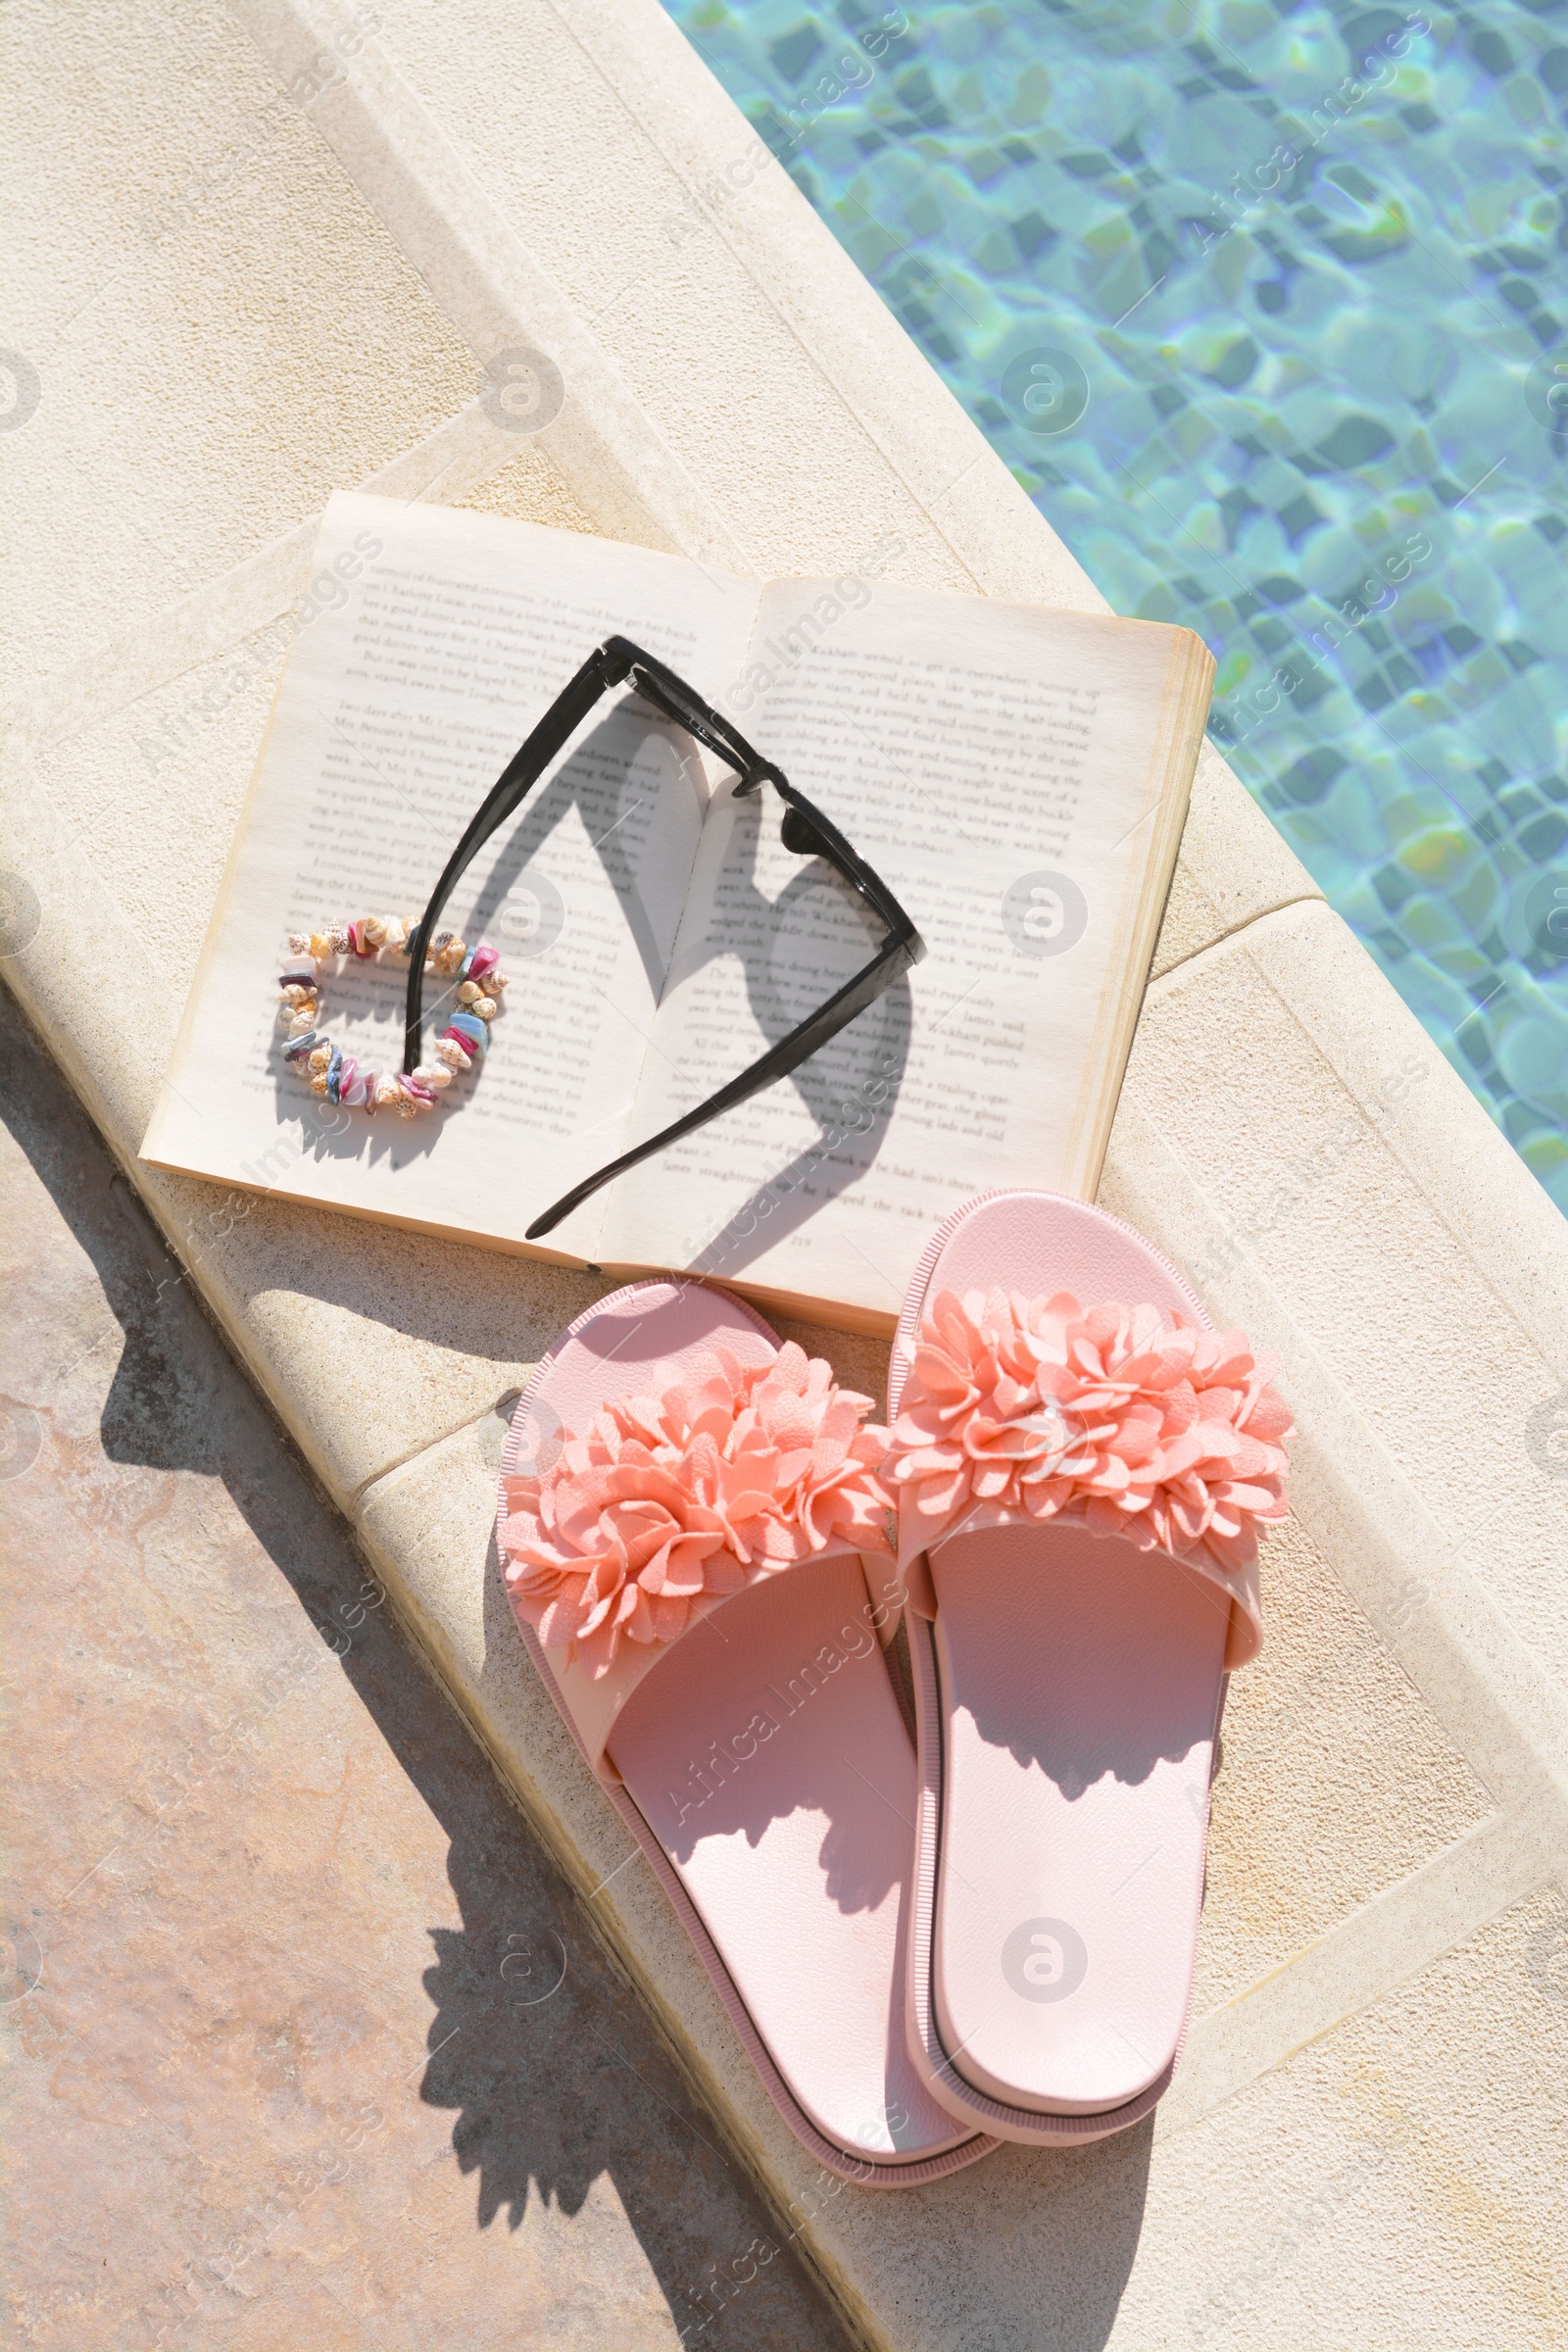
(1014, 775)
(429, 645)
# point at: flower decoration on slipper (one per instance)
(463, 1043)
(733, 1473)
(1114, 1418)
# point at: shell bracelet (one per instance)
(461, 1046)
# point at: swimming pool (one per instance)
(1268, 312)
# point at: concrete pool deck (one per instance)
(309, 2045)
(264, 257)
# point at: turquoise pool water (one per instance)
(1267, 308)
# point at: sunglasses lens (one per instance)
(798, 834)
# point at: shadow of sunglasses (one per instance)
(805, 831)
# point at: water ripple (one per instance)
(1267, 308)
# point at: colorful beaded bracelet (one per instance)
(464, 1042)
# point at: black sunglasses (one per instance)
(806, 831)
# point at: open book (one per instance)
(1018, 776)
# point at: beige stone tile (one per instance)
(145, 805)
(528, 489)
(370, 1343)
(224, 333)
(1366, 1219)
(483, 277)
(1297, 1186)
(1336, 1784)
(1463, 1166)
(1400, 2181)
(429, 1529)
(272, 2074)
(694, 335)
(1232, 868)
(379, 1348)
(1334, 1779)
(853, 417)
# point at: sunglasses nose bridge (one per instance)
(703, 725)
(754, 773)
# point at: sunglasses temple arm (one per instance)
(777, 1062)
(517, 779)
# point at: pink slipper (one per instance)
(695, 1540)
(1080, 1486)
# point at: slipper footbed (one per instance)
(768, 1756)
(1080, 1683)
